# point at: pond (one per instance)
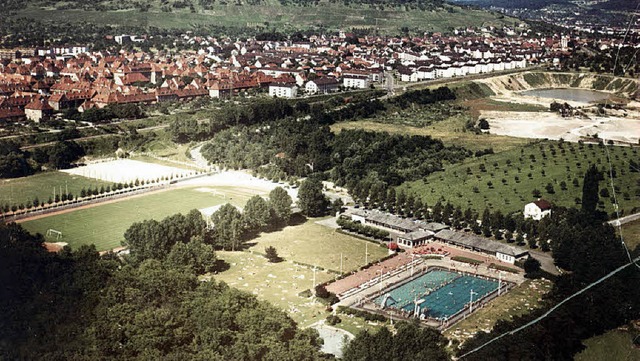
(566, 94)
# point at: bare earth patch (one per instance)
(127, 170)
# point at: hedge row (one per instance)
(466, 260)
(362, 229)
(363, 314)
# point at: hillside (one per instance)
(388, 16)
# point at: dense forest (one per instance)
(280, 140)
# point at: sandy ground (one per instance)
(553, 126)
(127, 170)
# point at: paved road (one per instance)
(626, 219)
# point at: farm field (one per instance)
(104, 225)
(318, 245)
(509, 178)
(25, 189)
(330, 15)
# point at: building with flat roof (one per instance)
(501, 251)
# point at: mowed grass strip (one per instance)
(318, 245)
(535, 166)
(25, 189)
(104, 225)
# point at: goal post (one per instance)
(52, 232)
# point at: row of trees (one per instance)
(362, 229)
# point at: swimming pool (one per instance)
(445, 293)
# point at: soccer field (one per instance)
(104, 225)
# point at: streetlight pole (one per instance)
(313, 286)
(340, 263)
(499, 282)
(471, 300)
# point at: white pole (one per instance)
(340, 262)
(314, 280)
(499, 282)
(366, 253)
(412, 255)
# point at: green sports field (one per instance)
(104, 225)
(23, 190)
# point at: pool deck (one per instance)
(361, 295)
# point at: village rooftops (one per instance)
(479, 243)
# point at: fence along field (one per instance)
(104, 225)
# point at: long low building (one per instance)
(411, 233)
(503, 252)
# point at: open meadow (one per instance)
(318, 245)
(507, 180)
(104, 224)
(26, 189)
(280, 283)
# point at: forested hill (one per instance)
(388, 16)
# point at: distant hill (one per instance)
(388, 16)
(514, 4)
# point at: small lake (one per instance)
(564, 94)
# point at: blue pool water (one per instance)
(444, 293)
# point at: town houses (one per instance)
(74, 77)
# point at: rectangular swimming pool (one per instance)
(444, 293)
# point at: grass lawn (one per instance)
(315, 244)
(631, 234)
(104, 225)
(516, 302)
(509, 178)
(23, 190)
(280, 283)
(613, 345)
(276, 283)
